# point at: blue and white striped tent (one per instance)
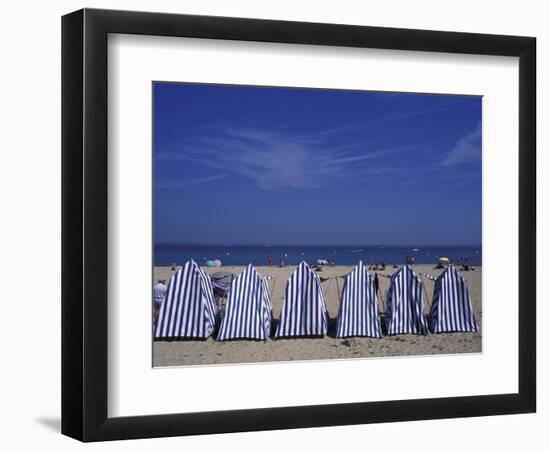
(404, 304)
(451, 306)
(248, 311)
(304, 311)
(189, 309)
(358, 313)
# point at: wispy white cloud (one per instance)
(346, 160)
(372, 122)
(467, 149)
(190, 181)
(275, 161)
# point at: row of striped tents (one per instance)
(248, 312)
(358, 314)
(451, 309)
(189, 309)
(404, 304)
(304, 311)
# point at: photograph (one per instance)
(270, 225)
(300, 224)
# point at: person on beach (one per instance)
(174, 267)
(159, 292)
(270, 260)
(282, 264)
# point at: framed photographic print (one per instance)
(273, 224)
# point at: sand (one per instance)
(177, 353)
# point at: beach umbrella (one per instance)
(404, 304)
(223, 277)
(451, 309)
(248, 311)
(221, 282)
(444, 260)
(189, 309)
(358, 314)
(213, 263)
(304, 311)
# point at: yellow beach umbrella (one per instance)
(444, 260)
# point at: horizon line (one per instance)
(312, 245)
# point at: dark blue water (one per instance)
(258, 255)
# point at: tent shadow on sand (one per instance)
(240, 339)
(180, 339)
(331, 332)
(332, 327)
(384, 327)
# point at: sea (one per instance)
(240, 255)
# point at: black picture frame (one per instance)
(84, 224)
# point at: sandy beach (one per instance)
(177, 353)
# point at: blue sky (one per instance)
(260, 165)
